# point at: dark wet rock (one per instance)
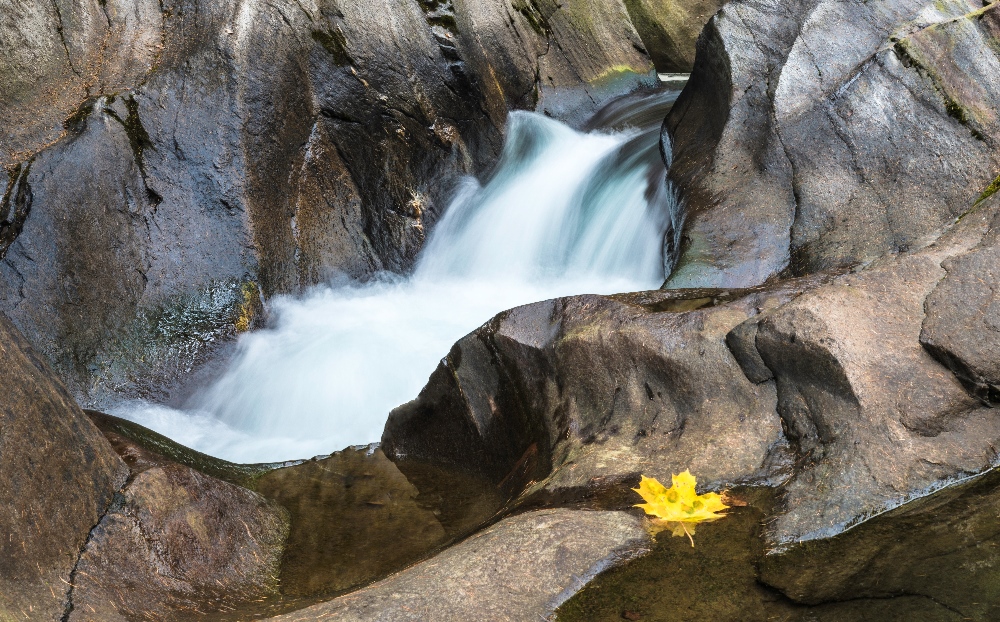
(354, 518)
(818, 135)
(58, 478)
(943, 549)
(176, 543)
(720, 578)
(587, 392)
(962, 327)
(547, 556)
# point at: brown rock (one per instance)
(354, 519)
(962, 327)
(178, 542)
(590, 391)
(57, 478)
(874, 419)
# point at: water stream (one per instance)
(566, 212)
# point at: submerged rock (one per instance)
(819, 135)
(57, 478)
(522, 568)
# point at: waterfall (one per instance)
(566, 212)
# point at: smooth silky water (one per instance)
(566, 212)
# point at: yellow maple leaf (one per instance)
(678, 508)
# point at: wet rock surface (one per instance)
(731, 576)
(941, 549)
(546, 556)
(177, 543)
(355, 519)
(838, 132)
(58, 478)
(962, 326)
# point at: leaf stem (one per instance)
(684, 527)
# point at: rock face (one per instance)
(58, 477)
(547, 556)
(354, 519)
(162, 180)
(585, 393)
(834, 132)
(175, 543)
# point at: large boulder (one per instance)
(58, 478)
(817, 135)
(962, 326)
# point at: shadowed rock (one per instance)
(57, 479)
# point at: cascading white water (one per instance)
(565, 213)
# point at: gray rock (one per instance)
(834, 133)
(178, 542)
(962, 326)
(59, 475)
(546, 557)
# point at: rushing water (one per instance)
(566, 212)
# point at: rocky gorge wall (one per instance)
(830, 336)
(171, 165)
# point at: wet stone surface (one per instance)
(935, 558)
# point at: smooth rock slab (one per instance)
(520, 569)
(944, 548)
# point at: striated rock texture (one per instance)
(172, 164)
(57, 478)
(834, 132)
(546, 557)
